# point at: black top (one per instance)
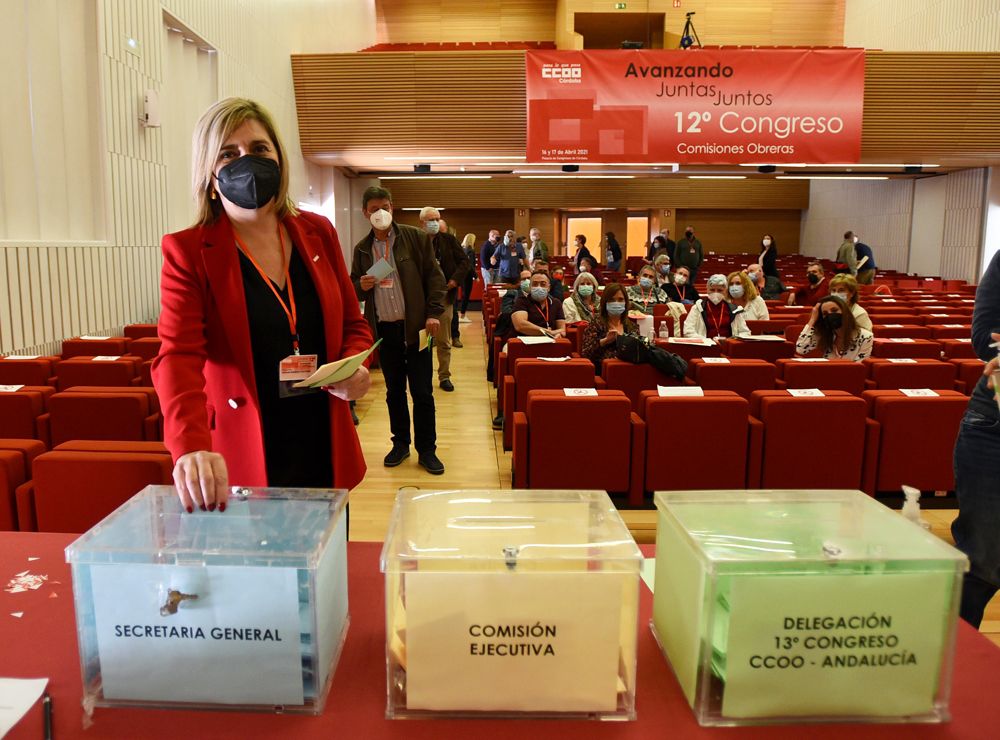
(985, 321)
(768, 260)
(297, 445)
(535, 315)
(680, 293)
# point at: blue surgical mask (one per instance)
(646, 282)
(539, 293)
(753, 276)
(665, 269)
(586, 290)
(616, 308)
(525, 285)
(506, 241)
(736, 291)
(433, 227)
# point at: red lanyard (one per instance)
(289, 310)
(717, 320)
(646, 299)
(545, 312)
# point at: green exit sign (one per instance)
(619, 6)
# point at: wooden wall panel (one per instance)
(735, 231)
(437, 21)
(633, 194)
(952, 104)
(462, 221)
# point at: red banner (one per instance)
(704, 106)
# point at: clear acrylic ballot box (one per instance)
(245, 609)
(788, 606)
(511, 604)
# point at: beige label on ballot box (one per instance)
(827, 645)
(522, 642)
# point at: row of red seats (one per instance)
(723, 441)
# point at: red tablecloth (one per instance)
(42, 643)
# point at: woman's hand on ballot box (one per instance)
(202, 480)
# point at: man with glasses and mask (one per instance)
(454, 264)
(807, 295)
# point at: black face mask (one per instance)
(688, 234)
(250, 182)
(812, 278)
(833, 321)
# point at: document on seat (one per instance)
(696, 341)
(96, 339)
(10, 388)
(381, 269)
(919, 392)
(17, 695)
(22, 357)
(106, 358)
(334, 372)
(763, 338)
(716, 360)
(902, 360)
(677, 391)
(537, 340)
(805, 392)
(554, 359)
(810, 359)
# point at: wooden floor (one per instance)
(474, 458)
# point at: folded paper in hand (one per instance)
(381, 269)
(334, 372)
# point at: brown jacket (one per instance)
(418, 272)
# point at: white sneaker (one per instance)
(463, 320)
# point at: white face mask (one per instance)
(843, 296)
(856, 240)
(533, 237)
(736, 291)
(767, 242)
(381, 219)
(680, 279)
(715, 298)
(432, 227)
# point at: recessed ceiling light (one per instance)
(831, 177)
(577, 177)
(435, 177)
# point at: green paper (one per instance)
(334, 372)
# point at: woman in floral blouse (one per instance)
(833, 330)
(611, 321)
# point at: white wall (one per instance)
(923, 25)
(927, 234)
(94, 277)
(878, 211)
(991, 235)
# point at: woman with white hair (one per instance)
(585, 302)
(713, 316)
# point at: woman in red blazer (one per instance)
(252, 285)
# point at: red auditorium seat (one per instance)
(770, 326)
(950, 331)
(740, 376)
(888, 331)
(77, 347)
(112, 445)
(615, 464)
(37, 371)
(911, 440)
(114, 416)
(20, 409)
(956, 349)
(632, 379)
(145, 347)
(885, 374)
(714, 430)
(536, 374)
(967, 373)
(29, 449)
(757, 349)
(73, 491)
(827, 375)
(149, 393)
(941, 319)
(88, 371)
(901, 347)
(810, 442)
(516, 349)
(12, 475)
(137, 331)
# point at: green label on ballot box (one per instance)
(817, 645)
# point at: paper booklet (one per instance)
(334, 372)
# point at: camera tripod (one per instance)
(689, 36)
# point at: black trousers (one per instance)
(402, 365)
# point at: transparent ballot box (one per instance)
(510, 603)
(804, 605)
(245, 609)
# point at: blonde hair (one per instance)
(469, 240)
(215, 126)
(849, 282)
(749, 289)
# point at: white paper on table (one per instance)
(679, 391)
(553, 359)
(17, 696)
(716, 360)
(444, 609)
(580, 391)
(902, 340)
(919, 392)
(106, 358)
(10, 388)
(199, 669)
(96, 339)
(805, 392)
(902, 360)
(810, 359)
(22, 357)
(763, 338)
(381, 269)
(537, 340)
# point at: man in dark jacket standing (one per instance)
(454, 265)
(688, 253)
(395, 274)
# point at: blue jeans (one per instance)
(614, 266)
(977, 528)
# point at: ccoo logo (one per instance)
(564, 73)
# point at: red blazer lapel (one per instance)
(225, 280)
